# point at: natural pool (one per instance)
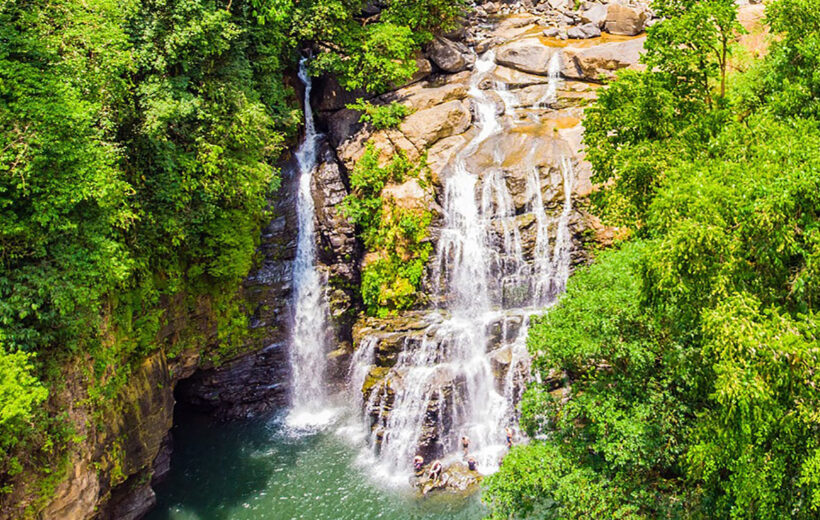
(257, 470)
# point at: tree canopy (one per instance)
(690, 351)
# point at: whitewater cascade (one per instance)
(464, 372)
(308, 347)
(554, 75)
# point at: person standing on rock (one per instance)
(435, 471)
(418, 464)
(509, 432)
(471, 464)
(465, 444)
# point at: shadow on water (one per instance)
(253, 470)
(216, 467)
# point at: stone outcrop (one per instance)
(624, 19)
(527, 55)
(594, 13)
(426, 127)
(600, 62)
(448, 55)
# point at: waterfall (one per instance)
(463, 372)
(554, 75)
(308, 347)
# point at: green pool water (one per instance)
(257, 470)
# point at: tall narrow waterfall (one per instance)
(307, 338)
(464, 372)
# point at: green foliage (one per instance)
(371, 53)
(397, 235)
(380, 116)
(788, 83)
(690, 357)
(20, 393)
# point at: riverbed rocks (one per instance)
(582, 32)
(455, 477)
(526, 55)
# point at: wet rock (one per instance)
(440, 154)
(448, 55)
(581, 32)
(514, 78)
(242, 388)
(625, 20)
(601, 61)
(456, 477)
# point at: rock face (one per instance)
(601, 61)
(448, 55)
(526, 55)
(427, 127)
(623, 19)
(595, 14)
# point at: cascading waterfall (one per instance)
(554, 77)
(445, 382)
(308, 347)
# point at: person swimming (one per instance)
(418, 463)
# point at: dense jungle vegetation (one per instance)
(690, 352)
(138, 143)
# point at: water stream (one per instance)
(308, 349)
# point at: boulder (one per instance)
(582, 32)
(527, 55)
(625, 20)
(426, 127)
(552, 32)
(448, 55)
(595, 14)
(514, 78)
(601, 61)
(422, 97)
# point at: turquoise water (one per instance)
(256, 470)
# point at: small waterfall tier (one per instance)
(424, 379)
